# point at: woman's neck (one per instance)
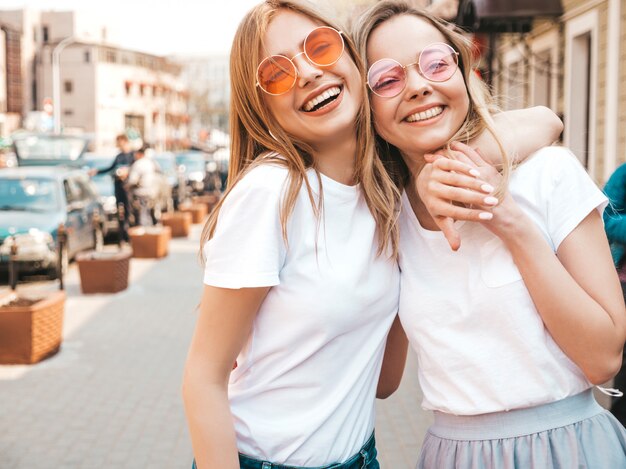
(337, 159)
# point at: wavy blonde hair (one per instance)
(481, 104)
(256, 138)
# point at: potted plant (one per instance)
(179, 223)
(31, 328)
(150, 242)
(104, 271)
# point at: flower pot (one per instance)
(103, 272)
(178, 222)
(198, 211)
(30, 330)
(150, 242)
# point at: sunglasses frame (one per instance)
(419, 68)
(290, 60)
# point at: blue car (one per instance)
(33, 202)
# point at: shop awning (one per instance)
(505, 15)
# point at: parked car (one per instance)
(192, 165)
(105, 188)
(49, 149)
(33, 202)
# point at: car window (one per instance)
(28, 194)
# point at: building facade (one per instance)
(104, 89)
(574, 63)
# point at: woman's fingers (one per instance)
(447, 164)
(441, 209)
(461, 195)
(469, 153)
(461, 180)
(446, 225)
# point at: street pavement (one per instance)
(111, 397)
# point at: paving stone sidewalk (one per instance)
(111, 397)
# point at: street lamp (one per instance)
(56, 85)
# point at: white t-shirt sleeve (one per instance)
(572, 196)
(247, 248)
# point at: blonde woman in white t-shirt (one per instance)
(301, 277)
(515, 325)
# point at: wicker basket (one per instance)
(198, 212)
(103, 272)
(151, 242)
(29, 334)
(179, 223)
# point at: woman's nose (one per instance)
(307, 71)
(416, 85)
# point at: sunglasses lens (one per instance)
(324, 46)
(386, 78)
(438, 62)
(276, 74)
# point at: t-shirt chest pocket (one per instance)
(497, 267)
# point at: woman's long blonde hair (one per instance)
(255, 133)
(481, 105)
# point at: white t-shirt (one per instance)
(304, 389)
(481, 344)
(143, 175)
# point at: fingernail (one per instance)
(485, 215)
(487, 188)
(491, 201)
(474, 173)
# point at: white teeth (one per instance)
(427, 114)
(321, 97)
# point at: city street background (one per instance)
(111, 397)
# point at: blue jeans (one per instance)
(364, 459)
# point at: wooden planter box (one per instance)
(178, 222)
(31, 332)
(198, 212)
(210, 200)
(103, 272)
(150, 242)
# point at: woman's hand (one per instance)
(457, 186)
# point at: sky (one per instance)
(161, 27)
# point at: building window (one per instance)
(109, 56)
(87, 56)
(127, 86)
(581, 35)
(68, 86)
(45, 34)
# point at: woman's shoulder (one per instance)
(550, 159)
(268, 174)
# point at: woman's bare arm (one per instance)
(223, 326)
(393, 361)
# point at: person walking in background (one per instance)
(119, 169)
(143, 187)
(514, 329)
(615, 227)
